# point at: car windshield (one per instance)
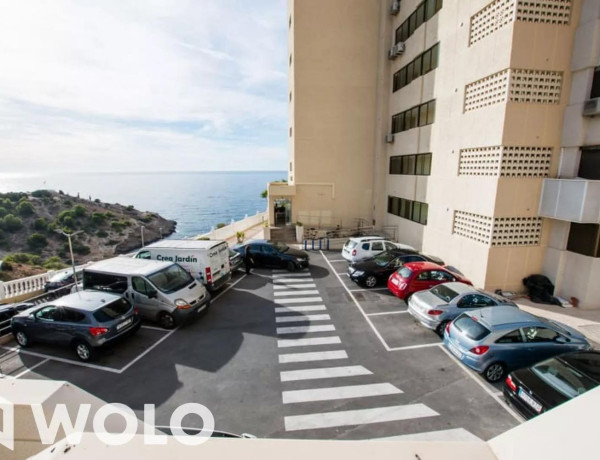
(405, 272)
(112, 311)
(281, 247)
(170, 279)
(60, 277)
(472, 329)
(384, 258)
(563, 378)
(443, 292)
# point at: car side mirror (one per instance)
(152, 294)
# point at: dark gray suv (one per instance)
(86, 321)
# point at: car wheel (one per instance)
(84, 351)
(494, 372)
(370, 281)
(22, 339)
(407, 298)
(291, 266)
(166, 320)
(441, 328)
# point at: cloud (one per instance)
(111, 85)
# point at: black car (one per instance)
(62, 279)
(273, 254)
(377, 269)
(7, 311)
(547, 384)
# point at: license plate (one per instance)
(124, 324)
(455, 351)
(394, 281)
(529, 400)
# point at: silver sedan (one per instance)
(436, 307)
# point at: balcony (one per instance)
(573, 200)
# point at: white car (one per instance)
(363, 247)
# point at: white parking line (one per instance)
(299, 300)
(387, 313)
(293, 309)
(415, 347)
(287, 343)
(312, 356)
(383, 342)
(154, 328)
(64, 360)
(227, 289)
(294, 286)
(338, 260)
(301, 318)
(305, 329)
(357, 417)
(367, 290)
(31, 368)
(345, 392)
(477, 380)
(147, 350)
(295, 292)
(341, 274)
(323, 373)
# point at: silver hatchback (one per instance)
(495, 340)
(436, 307)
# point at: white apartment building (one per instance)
(471, 126)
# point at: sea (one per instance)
(197, 201)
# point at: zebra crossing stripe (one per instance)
(286, 343)
(292, 275)
(357, 417)
(294, 286)
(291, 280)
(323, 373)
(305, 329)
(312, 356)
(345, 392)
(296, 292)
(299, 300)
(301, 318)
(294, 309)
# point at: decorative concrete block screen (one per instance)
(490, 90)
(517, 231)
(544, 11)
(499, 231)
(505, 161)
(491, 18)
(535, 86)
(473, 226)
(500, 13)
(514, 85)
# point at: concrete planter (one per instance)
(299, 233)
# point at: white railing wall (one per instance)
(230, 230)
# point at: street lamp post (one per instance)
(142, 230)
(69, 235)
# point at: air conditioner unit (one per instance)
(396, 50)
(591, 107)
(389, 138)
(395, 8)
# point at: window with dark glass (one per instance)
(422, 64)
(589, 164)
(584, 239)
(595, 84)
(424, 11)
(408, 209)
(419, 164)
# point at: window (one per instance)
(290, 131)
(424, 11)
(423, 167)
(377, 246)
(144, 255)
(536, 334)
(72, 316)
(140, 285)
(511, 337)
(422, 64)
(49, 313)
(365, 246)
(439, 275)
(408, 209)
(589, 163)
(584, 239)
(419, 115)
(595, 84)
(290, 60)
(443, 292)
(476, 301)
(471, 328)
(424, 276)
(290, 96)
(104, 282)
(112, 311)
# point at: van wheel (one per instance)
(166, 320)
(83, 351)
(291, 266)
(22, 339)
(494, 372)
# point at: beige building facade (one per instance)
(466, 124)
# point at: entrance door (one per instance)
(283, 212)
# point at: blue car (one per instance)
(495, 340)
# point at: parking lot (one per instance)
(306, 355)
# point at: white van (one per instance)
(161, 291)
(206, 260)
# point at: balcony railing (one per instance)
(573, 200)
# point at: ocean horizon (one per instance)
(196, 200)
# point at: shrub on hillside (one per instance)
(11, 223)
(3, 211)
(37, 241)
(220, 225)
(42, 193)
(40, 224)
(101, 234)
(19, 257)
(79, 211)
(25, 208)
(54, 263)
(98, 218)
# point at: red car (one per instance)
(419, 276)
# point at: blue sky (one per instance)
(154, 85)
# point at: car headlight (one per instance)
(358, 272)
(182, 304)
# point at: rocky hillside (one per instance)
(30, 226)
